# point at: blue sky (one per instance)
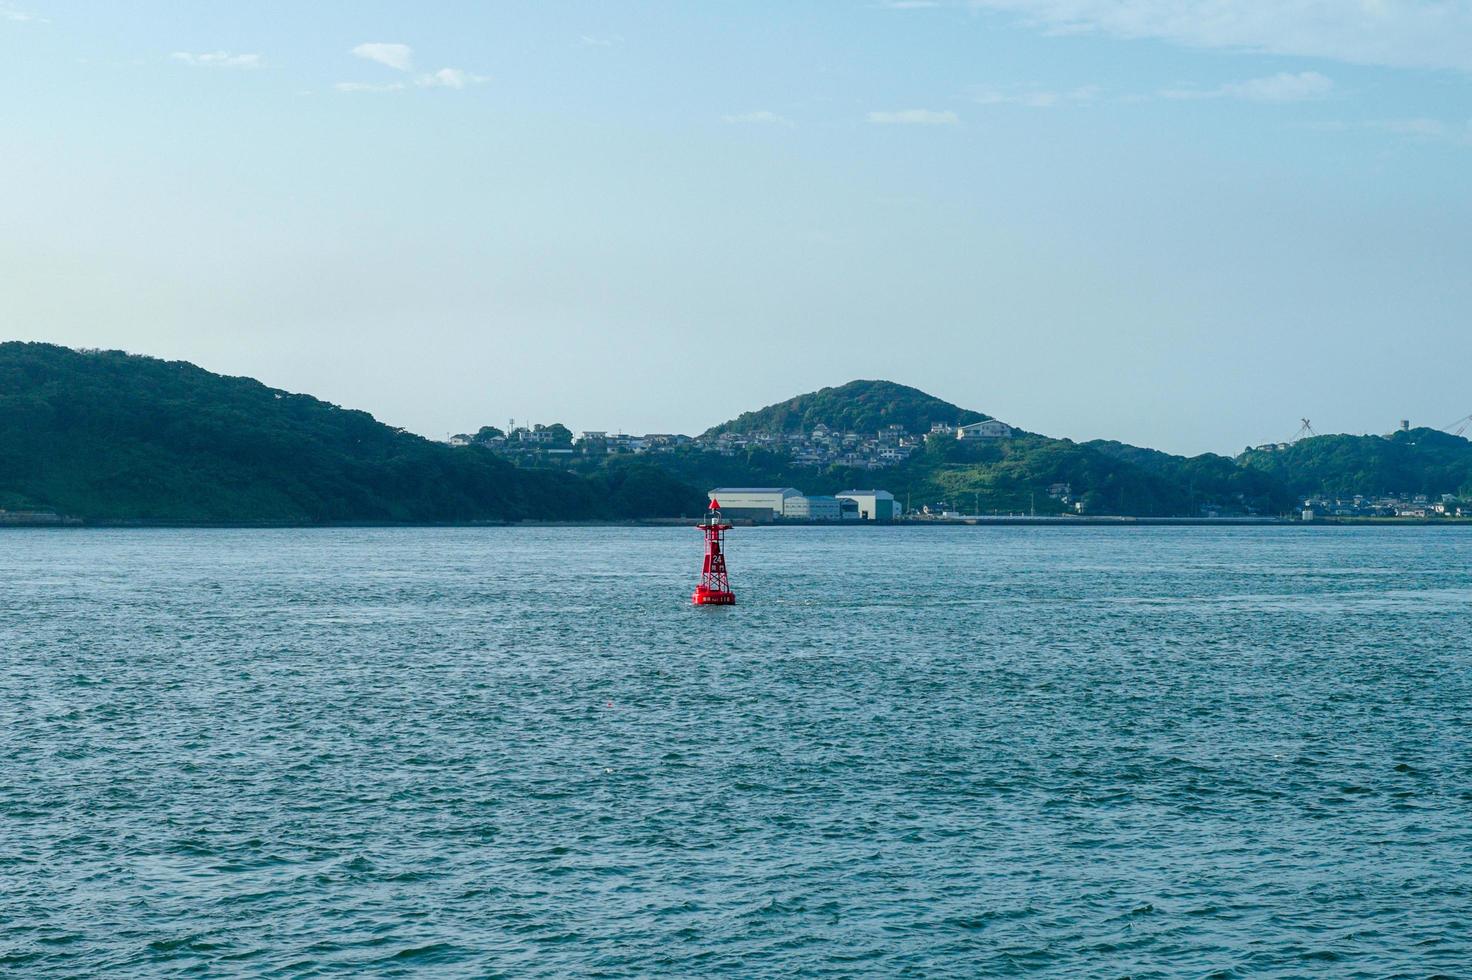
(1182, 224)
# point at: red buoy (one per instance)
(714, 588)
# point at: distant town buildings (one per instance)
(820, 446)
(1402, 505)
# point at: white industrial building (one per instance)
(990, 429)
(754, 503)
(873, 505)
(811, 508)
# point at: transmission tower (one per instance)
(1303, 430)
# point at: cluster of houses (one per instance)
(824, 446)
(557, 440)
(820, 446)
(1404, 505)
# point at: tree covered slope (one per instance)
(859, 406)
(1006, 475)
(108, 436)
(105, 435)
(1415, 461)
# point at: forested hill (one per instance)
(108, 436)
(1103, 476)
(1413, 461)
(859, 406)
(996, 475)
(104, 435)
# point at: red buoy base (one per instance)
(712, 597)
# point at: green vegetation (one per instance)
(1014, 475)
(1208, 480)
(109, 436)
(1003, 475)
(1416, 461)
(859, 406)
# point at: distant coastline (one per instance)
(1097, 521)
(104, 438)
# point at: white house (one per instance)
(990, 429)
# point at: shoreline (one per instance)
(68, 523)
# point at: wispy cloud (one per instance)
(1409, 34)
(397, 56)
(597, 41)
(370, 87)
(17, 16)
(907, 4)
(759, 118)
(915, 117)
(1034, 98)
(400, 57)
(1425, 128)
(1282, 87)
(449, 78)
(217, 59)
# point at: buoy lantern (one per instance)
(714, 588)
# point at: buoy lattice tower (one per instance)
(715, 587)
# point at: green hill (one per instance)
(1207, 479)
(859, 406)
(105, 435)
(1007, 475)
(1013, 476)
(108, 436)
(1416, 461)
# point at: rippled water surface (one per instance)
(907, 751)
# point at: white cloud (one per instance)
(1426, 129)
(217, 59)
(760, 118)
(595, 41)
(401, 58)
(449, 78)
(914, 117)
(17, 16)
(1034, 98)
(1406, 34)
(369, 87)
(1282, 87)
(444, 78)
(397, 56)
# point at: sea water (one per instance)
(906, 751)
